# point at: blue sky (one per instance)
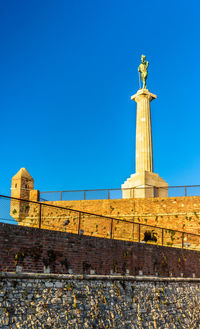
(67, 72)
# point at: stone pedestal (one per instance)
(144, 183)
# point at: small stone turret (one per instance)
(22, 188)
(22, 184)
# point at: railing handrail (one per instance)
(119, 189)
(97, 215)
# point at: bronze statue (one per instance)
(143, 70)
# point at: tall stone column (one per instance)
(144, 151)
(144, 183)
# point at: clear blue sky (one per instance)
(67, 72)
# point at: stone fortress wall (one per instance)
(113, 283)
(174, 213)
(180, 214)
(64, 301)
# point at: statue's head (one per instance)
(143, 58)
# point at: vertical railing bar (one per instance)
(108, 194)
(60, 195)
(111, 228)
(185, 190)
(79, 222)
(40, 215)
(139, 233)
(83, 195)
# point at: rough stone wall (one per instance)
(98, 302)
(32, 249)
(181, 213)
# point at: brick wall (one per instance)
(33, 248)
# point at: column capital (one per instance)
(144, 92)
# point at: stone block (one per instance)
(144, 185)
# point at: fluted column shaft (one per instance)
(144, 149)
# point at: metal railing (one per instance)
(52, 217)
(117, 193)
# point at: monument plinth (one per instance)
(144, 183)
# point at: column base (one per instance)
(144, 185)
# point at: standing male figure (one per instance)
(143, 70)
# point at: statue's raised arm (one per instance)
(143, 70)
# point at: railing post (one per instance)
(182, 240)
(108, 194)
(60, 195)
(111, 228)
(162, 236)
(83, 195)
(40, 215)
(185, 190)
(139, 233)
(79, 222)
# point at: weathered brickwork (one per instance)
(32, 249)
(52, 301)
